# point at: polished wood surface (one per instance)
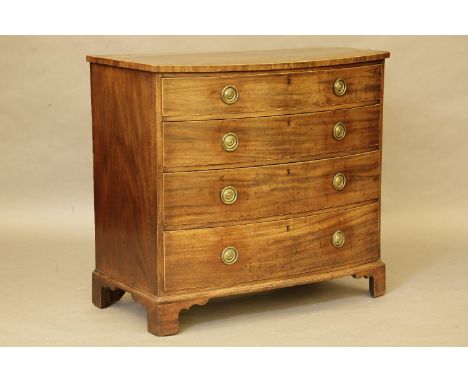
(376, 278)
(159, 169)
(242, 61)
(194, 197)
(269, 250)
(165, 322)
(158, 180)
(298, 91)
(123, 104)
(104, 295)
(362, 270)
(292, 137)
(163, 319)
(271, 113)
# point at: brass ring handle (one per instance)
(228, 195)
(339, 181)
(229, 255)
(229, 142)
(338, 239)
(229, 95)
(339, 87)
(339, 131)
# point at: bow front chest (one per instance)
(230, 173)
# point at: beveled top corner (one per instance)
(278, 59)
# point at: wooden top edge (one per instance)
(279, 59)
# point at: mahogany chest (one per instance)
(230, 173)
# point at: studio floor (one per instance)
(46, 298)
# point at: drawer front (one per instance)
(251, 140)
(192, 96)
(193, 258)
(195, 198)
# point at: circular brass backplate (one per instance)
(338, 239)
(229, 94)
(228, 195)
(339, 87)
(339, 181)
(229, 255)
(339, 131)
(230, 142)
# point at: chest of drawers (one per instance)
(223, 174)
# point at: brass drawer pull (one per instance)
(339, 181)
(230, 142)
(338, 239)
(339, 131)
(229, 255)
(339, 87)
(228, 195)
(229, 95)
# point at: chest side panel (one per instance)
(123, 114)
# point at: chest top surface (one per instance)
(278, 59)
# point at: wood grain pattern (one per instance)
(245, 288)
(177, 301)
(160, 225)
(267, 218)
(163, 318)
(376, 278)
(265, 92)
(269, 113)
(269, 250)
(198, 143)
(194, 197)
(104, 295)
(158, 176)
(242, 61)
(123, 104)
(381, 141)
(268, 162)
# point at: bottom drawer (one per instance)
(259, 251)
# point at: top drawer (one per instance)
(267, 93)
